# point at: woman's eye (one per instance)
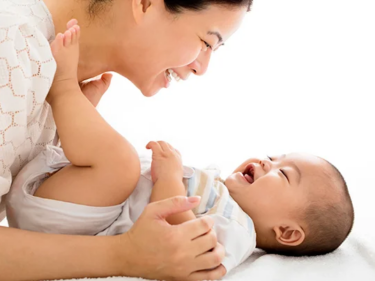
(218, 47)
(269, 158)
(207, 45)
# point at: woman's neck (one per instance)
(97, 39)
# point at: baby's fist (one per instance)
(166, 161)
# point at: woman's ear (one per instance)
(289, 235)
(140, 8)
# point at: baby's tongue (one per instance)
(249, 178)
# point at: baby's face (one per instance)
(274, 190)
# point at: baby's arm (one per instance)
(105, 166)
(166, 171)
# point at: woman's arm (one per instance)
(150, 243)
(28, 255)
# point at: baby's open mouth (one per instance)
(249, 173)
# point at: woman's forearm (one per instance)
(167, 188)
(26, 255)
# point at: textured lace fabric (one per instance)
(27, 69)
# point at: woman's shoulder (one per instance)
(33, 14)
(26, 29)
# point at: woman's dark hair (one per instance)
(177, 6)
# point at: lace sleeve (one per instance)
(27, 69)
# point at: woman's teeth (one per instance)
(168, 76)
(170, 73)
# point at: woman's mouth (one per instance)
(170, 73)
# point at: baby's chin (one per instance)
(232, 184)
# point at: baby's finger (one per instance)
(154, 146)
(171, 147)
(164, 145)
(150, 145)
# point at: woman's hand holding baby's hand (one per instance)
(166, 161)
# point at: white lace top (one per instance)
(27, 69)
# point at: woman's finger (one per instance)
(164, 208)
(205, 243)
(211, 259)
(213, 274)
(107, 78)
(195, 229)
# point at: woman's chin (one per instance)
(151, 89)
(150, 92)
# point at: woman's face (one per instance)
(184, 42)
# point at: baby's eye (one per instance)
(285, 175)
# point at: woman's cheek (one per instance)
(187, 54)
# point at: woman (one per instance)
(144, 41)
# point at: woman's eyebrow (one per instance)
(217, 34)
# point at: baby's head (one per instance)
(300, 204)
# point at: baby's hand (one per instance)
(166, 161)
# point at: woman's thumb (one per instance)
(164, 208)
(107, 78)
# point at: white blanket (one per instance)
(354, 260)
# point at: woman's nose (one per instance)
(200, 65)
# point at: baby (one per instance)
(293, 204)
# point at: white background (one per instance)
(297, 76)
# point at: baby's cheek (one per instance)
(272, 191)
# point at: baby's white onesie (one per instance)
(234, 228)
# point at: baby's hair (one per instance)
(329, 222)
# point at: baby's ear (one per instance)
(290, 234)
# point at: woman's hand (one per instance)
(95, 88)
(166, 161)
(158, 250)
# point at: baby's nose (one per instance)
(265, 165)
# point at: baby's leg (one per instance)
(105, 167)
